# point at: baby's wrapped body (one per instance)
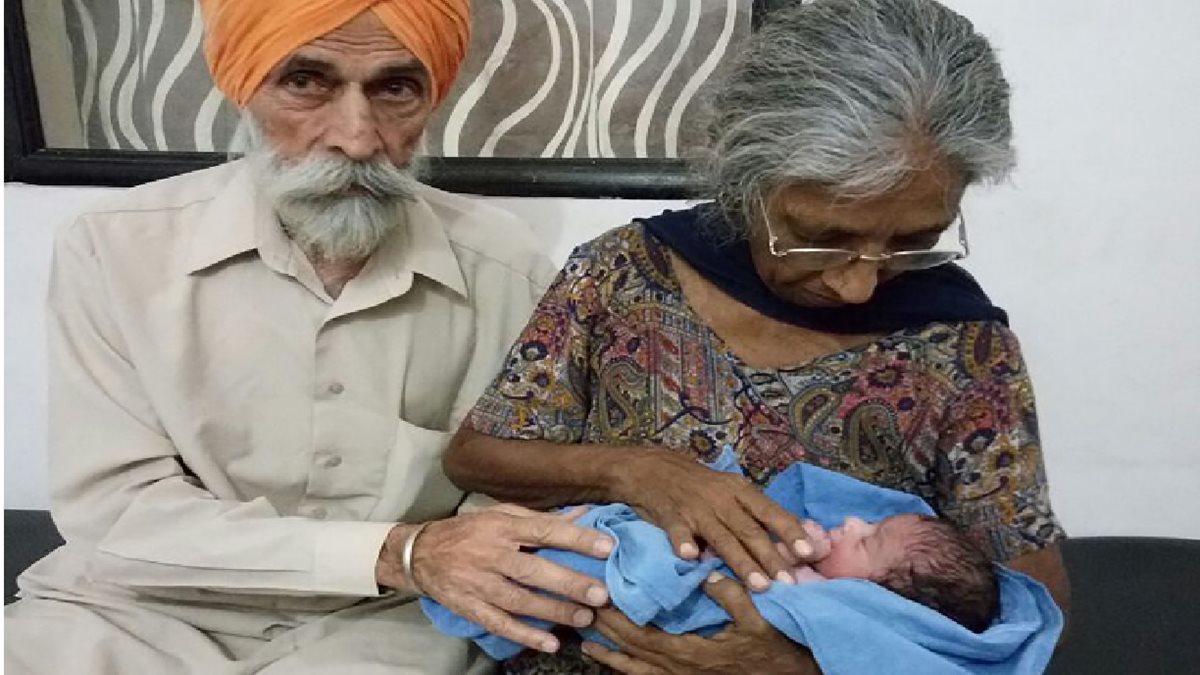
(852, 625)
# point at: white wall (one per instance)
(1092, 248)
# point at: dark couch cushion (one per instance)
(1135, 600)
(1135, 607)
(28, 537)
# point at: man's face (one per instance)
(334, 129)
(355, 92)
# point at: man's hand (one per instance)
(473, 564)
(748, 645)
(691, 501)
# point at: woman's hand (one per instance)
(473, 564)
(748, 645)
(691, 501)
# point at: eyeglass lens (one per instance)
(901, 261)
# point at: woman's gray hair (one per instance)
(855, 95)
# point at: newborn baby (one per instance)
(919, 557)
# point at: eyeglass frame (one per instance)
(855, 256)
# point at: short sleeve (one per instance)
(991, 478)
(542, 391)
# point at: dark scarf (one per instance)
(909, 300)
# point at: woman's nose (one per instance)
(855, 282)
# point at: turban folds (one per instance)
(246, 39)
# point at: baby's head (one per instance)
(921, 558)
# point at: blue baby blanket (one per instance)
(852, 626)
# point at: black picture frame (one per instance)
(28, 160)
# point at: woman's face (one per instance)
(911, 216)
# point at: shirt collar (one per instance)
(230, 223)
(239, 220)
(422, 248)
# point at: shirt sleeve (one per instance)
(542, 391)
(118, 484)
(991, 478)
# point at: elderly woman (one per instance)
(811, 313)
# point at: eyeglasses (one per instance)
(821, 259)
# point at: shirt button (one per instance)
(333, 462)
(319, 513)
(337, 388)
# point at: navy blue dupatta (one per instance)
(946, 293)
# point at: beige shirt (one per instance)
(223, 430)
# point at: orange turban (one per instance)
(246, 39)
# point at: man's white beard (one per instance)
(333, 207)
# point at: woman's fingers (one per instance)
(734, 599)
(622, 663)
(819, 538)
(758, 543)
(729, 547)
(778, 521)
(682, 541)
(787, 554)
(632, 639)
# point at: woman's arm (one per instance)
(688, 500)
(1047, 567)
(538, 474)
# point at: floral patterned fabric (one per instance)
(615, 355)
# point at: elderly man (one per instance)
(255, 370)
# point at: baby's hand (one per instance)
(819, 538)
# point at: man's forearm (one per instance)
(176, 536)
(539, 474)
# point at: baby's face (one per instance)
(863, 550)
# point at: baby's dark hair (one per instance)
(945, 571)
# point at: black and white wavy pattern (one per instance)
(140, 79)
(544, 78)
(587, 78)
